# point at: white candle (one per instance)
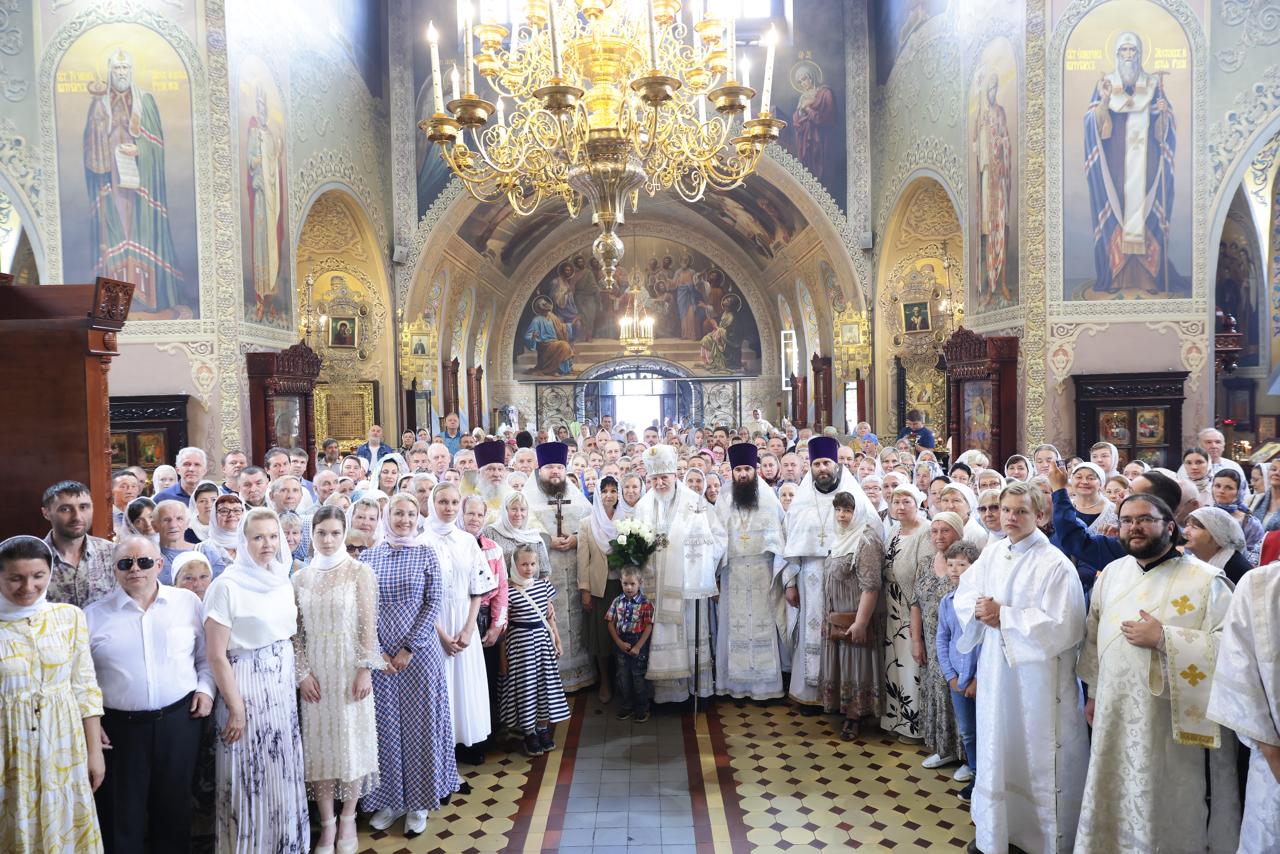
(468, 59)
(693, 22)
(702, 108)
(730, 39)
(437, 82)
(745, 71)
(502, 116)
(653, 35)
(453, 78)
(556, 70)
(771, 44)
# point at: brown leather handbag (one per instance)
(838, 623)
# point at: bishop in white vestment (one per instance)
(1150, 651)
(811, 532)
(1246, 697)
(679, 579)
(751, 612)
(549, 484)
(1033, 747)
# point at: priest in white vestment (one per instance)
(1246, 697)
(491, 478)
(811, 532)
(748, 660)
(1022, 601)
(678, 579)
(548, 486)
(1151, 647)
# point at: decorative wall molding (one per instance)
(21, 168)
(857, 87)
(1062, 349)
(1031, 266)
(1260, 20)
(1194, 346)
(1083, 310)
(926, 153)
(323, 170)
(1251, 111)
(203, 356)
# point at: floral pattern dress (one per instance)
(938, 719)
(47, 688)
(901, 673)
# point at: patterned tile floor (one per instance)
(736, 778)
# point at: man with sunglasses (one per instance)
(1148, 662)
(147, 642)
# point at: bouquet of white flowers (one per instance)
(635, 542)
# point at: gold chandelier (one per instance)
(609, 98)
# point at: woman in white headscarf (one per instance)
(389, 470)
(250, 618)
(696, 480)
(200, 511)
(466, 577)
(224, 534)
(1216, 538)
(140, 518)
(598, 583)
(162, 478)
(960, 499)
(365, 516)
(514, 527)
(50, 728)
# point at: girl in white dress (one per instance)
(466, 577)
(336, 648)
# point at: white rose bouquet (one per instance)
(635, 542)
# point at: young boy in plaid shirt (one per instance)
(630, 621)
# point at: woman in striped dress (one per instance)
(532, 691)
(249, 620)
(416, 765)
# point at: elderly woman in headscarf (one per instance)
(850, 680)
(514, 527)
(941, 735)
(1216, 538)
(960, 499)
(925, 472)
(162, 478)
(598, 583)
(1228, 492)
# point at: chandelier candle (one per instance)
(469, 56)
(437, 82)
(771, 44)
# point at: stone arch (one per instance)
(335, 235)
(920, 275)
(27, 221)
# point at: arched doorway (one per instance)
(639, 393)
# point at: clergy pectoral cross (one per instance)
(559, 505)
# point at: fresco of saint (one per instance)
(994, 153)
(265, 176)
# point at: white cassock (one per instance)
(577, 669)
(811, 532)
(748, 652)
(1033, 746)
(1246, 697)
(1146, 788)
(678, 579)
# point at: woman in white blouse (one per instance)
(250, 618)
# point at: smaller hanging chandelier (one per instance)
(635, 330)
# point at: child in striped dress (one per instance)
(532, 693)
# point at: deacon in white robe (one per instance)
(1033, 746)
(810, 534)
(1246, 697)
(751, 612)
(549, 483)
(1150, 651)
(679, 579)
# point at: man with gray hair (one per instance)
(147, 643)
(1214, 444)
(192, 464)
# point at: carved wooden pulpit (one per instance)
(59, 343)
(982, 384)
(282, 411)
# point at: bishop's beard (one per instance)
(489, 491)
(1129, 69)
(746, 495)
(552, 490)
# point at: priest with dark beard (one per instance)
(811, 533)
(550, 494)
(752, 616)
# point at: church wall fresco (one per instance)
(126, 171)
(1123, 87)
(262, 133)
(701, 317)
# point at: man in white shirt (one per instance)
(147, 642)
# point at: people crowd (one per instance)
(1089, 645)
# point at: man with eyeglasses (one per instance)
(1148, 662)
(147, 643)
